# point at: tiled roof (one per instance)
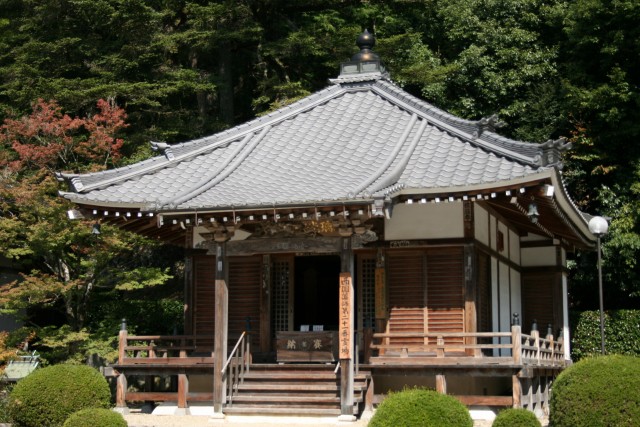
(352, 141)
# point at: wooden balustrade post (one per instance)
(536, 343)
(516, 345)
(121, 394)
(440, 346)
(122, 342)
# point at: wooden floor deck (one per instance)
(531, 362)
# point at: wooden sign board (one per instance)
(381, 294)
(345, 337)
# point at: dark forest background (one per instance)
(86, 84)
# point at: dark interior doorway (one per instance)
(316, 291)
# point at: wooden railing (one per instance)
(476, 347)
(236, 366)
(148, 356)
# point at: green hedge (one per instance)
(598, 391)
(46, 397)
(421, 408)
(516, 418)
(95, 417)
(621, 330)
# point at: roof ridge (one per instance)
(396, 173)
(390, 159)
(212, 178)
(477, 132)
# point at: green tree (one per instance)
(64, 263)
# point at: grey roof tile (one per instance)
(336, 141)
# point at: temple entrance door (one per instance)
(316, 281)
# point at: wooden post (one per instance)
(183, 391)
(122, 342)
(536, 340)
(346, 328)
(221, 327)
(516, 344)
(368, 398)
(121, 394)
(187, 307)
(517, 391)
(381, 305)
(441, 383)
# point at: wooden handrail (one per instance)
(234, 372)
(524, 349)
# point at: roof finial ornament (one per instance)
(364, 65)
(365, 42)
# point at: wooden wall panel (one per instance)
(445, 290)
(405, 275)
(204, 281)
(538, 301)
(245, 278)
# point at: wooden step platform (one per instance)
(293, 389)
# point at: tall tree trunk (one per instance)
(225, 87)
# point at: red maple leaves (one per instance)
(49, 139)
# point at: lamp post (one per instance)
(599, 226)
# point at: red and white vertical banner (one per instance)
(345, 340)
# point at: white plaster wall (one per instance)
(425, 221)
(516, 292)
(197, 238)
(481, 221)
(495, 312)
(565, 318)
(537, 257)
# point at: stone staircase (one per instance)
(294, 389)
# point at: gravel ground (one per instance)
(147, 420)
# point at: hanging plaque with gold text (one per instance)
(345, 341)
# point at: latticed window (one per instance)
(280, 285)
(368, 284)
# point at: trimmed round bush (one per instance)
(47, 397)
(420, 408)
(599, 391)
(95, 417)
(516, 418)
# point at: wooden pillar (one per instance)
(381, 297)
(265, 305)
(516, 354)
(121, 379)
(346, 327)
(470, 299)
(188, 283)
(183, 391)
(121, 394)
(516, 386)
(441, 383)
(221, 324)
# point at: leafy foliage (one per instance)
(49, 395)
(622, 334)
(95, 417)
(184, 69)
(420, 407)
(600, 391)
